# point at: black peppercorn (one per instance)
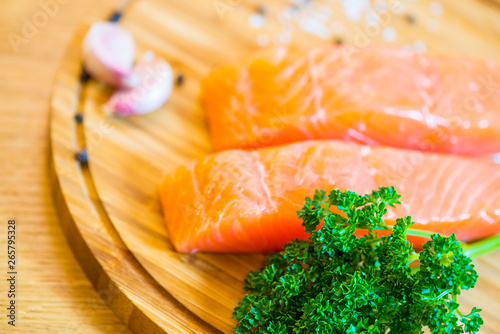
(79, 117)
(84, 76)
(410, 18)
(115, 17)
(179, 80)
(261, 9)
(82, 156)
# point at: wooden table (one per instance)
(54, 295)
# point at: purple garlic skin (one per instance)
(108, 53)
(154, 85)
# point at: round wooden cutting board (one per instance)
(109, 207)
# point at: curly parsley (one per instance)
(335, 282)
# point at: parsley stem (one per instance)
(473, 250)
(444, 293)
(481, 247)
(413, 257)
(420, 233)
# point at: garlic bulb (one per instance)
(108, 54)
(155, 79)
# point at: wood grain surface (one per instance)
(54, 294)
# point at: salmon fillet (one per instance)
(374, 96)
(246, 201)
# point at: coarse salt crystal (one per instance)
(354, 9)
(256, 21)
(389, 34)
(436, 8)
(262, 40)
(314, 27)
(419, 46)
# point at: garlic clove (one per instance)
(154, 87)
(108, 53)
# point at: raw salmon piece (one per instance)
(374, 96)
(246, 201)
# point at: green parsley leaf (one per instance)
(336, 282)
